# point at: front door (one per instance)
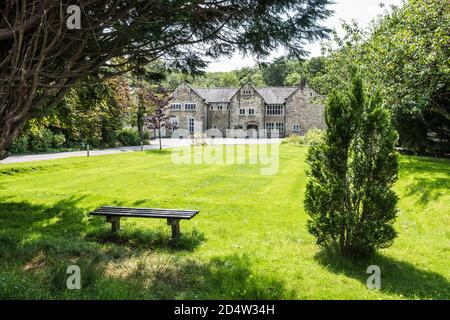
(252, 130)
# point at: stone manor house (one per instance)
(287, 110)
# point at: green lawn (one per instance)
(249, 240)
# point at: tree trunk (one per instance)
(10, 128)
(159, 135)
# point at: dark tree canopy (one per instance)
(274, 74)
(40, 58)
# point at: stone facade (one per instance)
(303, 111)
(289, 110)
(247, 98)
(183, 95)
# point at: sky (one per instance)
(363, 11)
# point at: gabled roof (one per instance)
(216, 94)
(271, 95)
(276, 95)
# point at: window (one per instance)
(191, 125)
(296, 128)
(219, 107)
(251, 111)
(189, 106)
(242, 111)
(175, 106)
(247, 92)
(211, 107)
(274, 110)
(174, 122)
(279, 126)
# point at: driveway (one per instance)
(166, 144)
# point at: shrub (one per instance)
(58, 140)
(352, 170)
(41, 140)
(109, 138)
(312, 137)
(20, 144)
(129, 137)
(146, 136)
(293, 139)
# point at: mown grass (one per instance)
(249, 240)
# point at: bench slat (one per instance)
(145, 212)
(135, 215)
(181, 214)
(156, 209)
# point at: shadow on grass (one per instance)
(145, 276)
(148, 239)
(30, 229)
(432, 177)
(64, 218)
(429, 189)
(38, 243)
(397, 277)
(225, 277)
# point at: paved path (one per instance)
(166, 143)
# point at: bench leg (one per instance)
(115, 223)
(175, 224)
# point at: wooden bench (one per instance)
(173, 216)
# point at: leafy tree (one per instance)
(305, 71)
(233, 78)
(41, 59)
(404, 55)
(349, 197)
(274, 74)
(157, 104)
(91, 112)
(145, 76)
(216, 79)
(409, 51)
(141, 112)
(252, 76)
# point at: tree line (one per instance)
(403, 54)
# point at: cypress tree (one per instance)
(349, 196)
